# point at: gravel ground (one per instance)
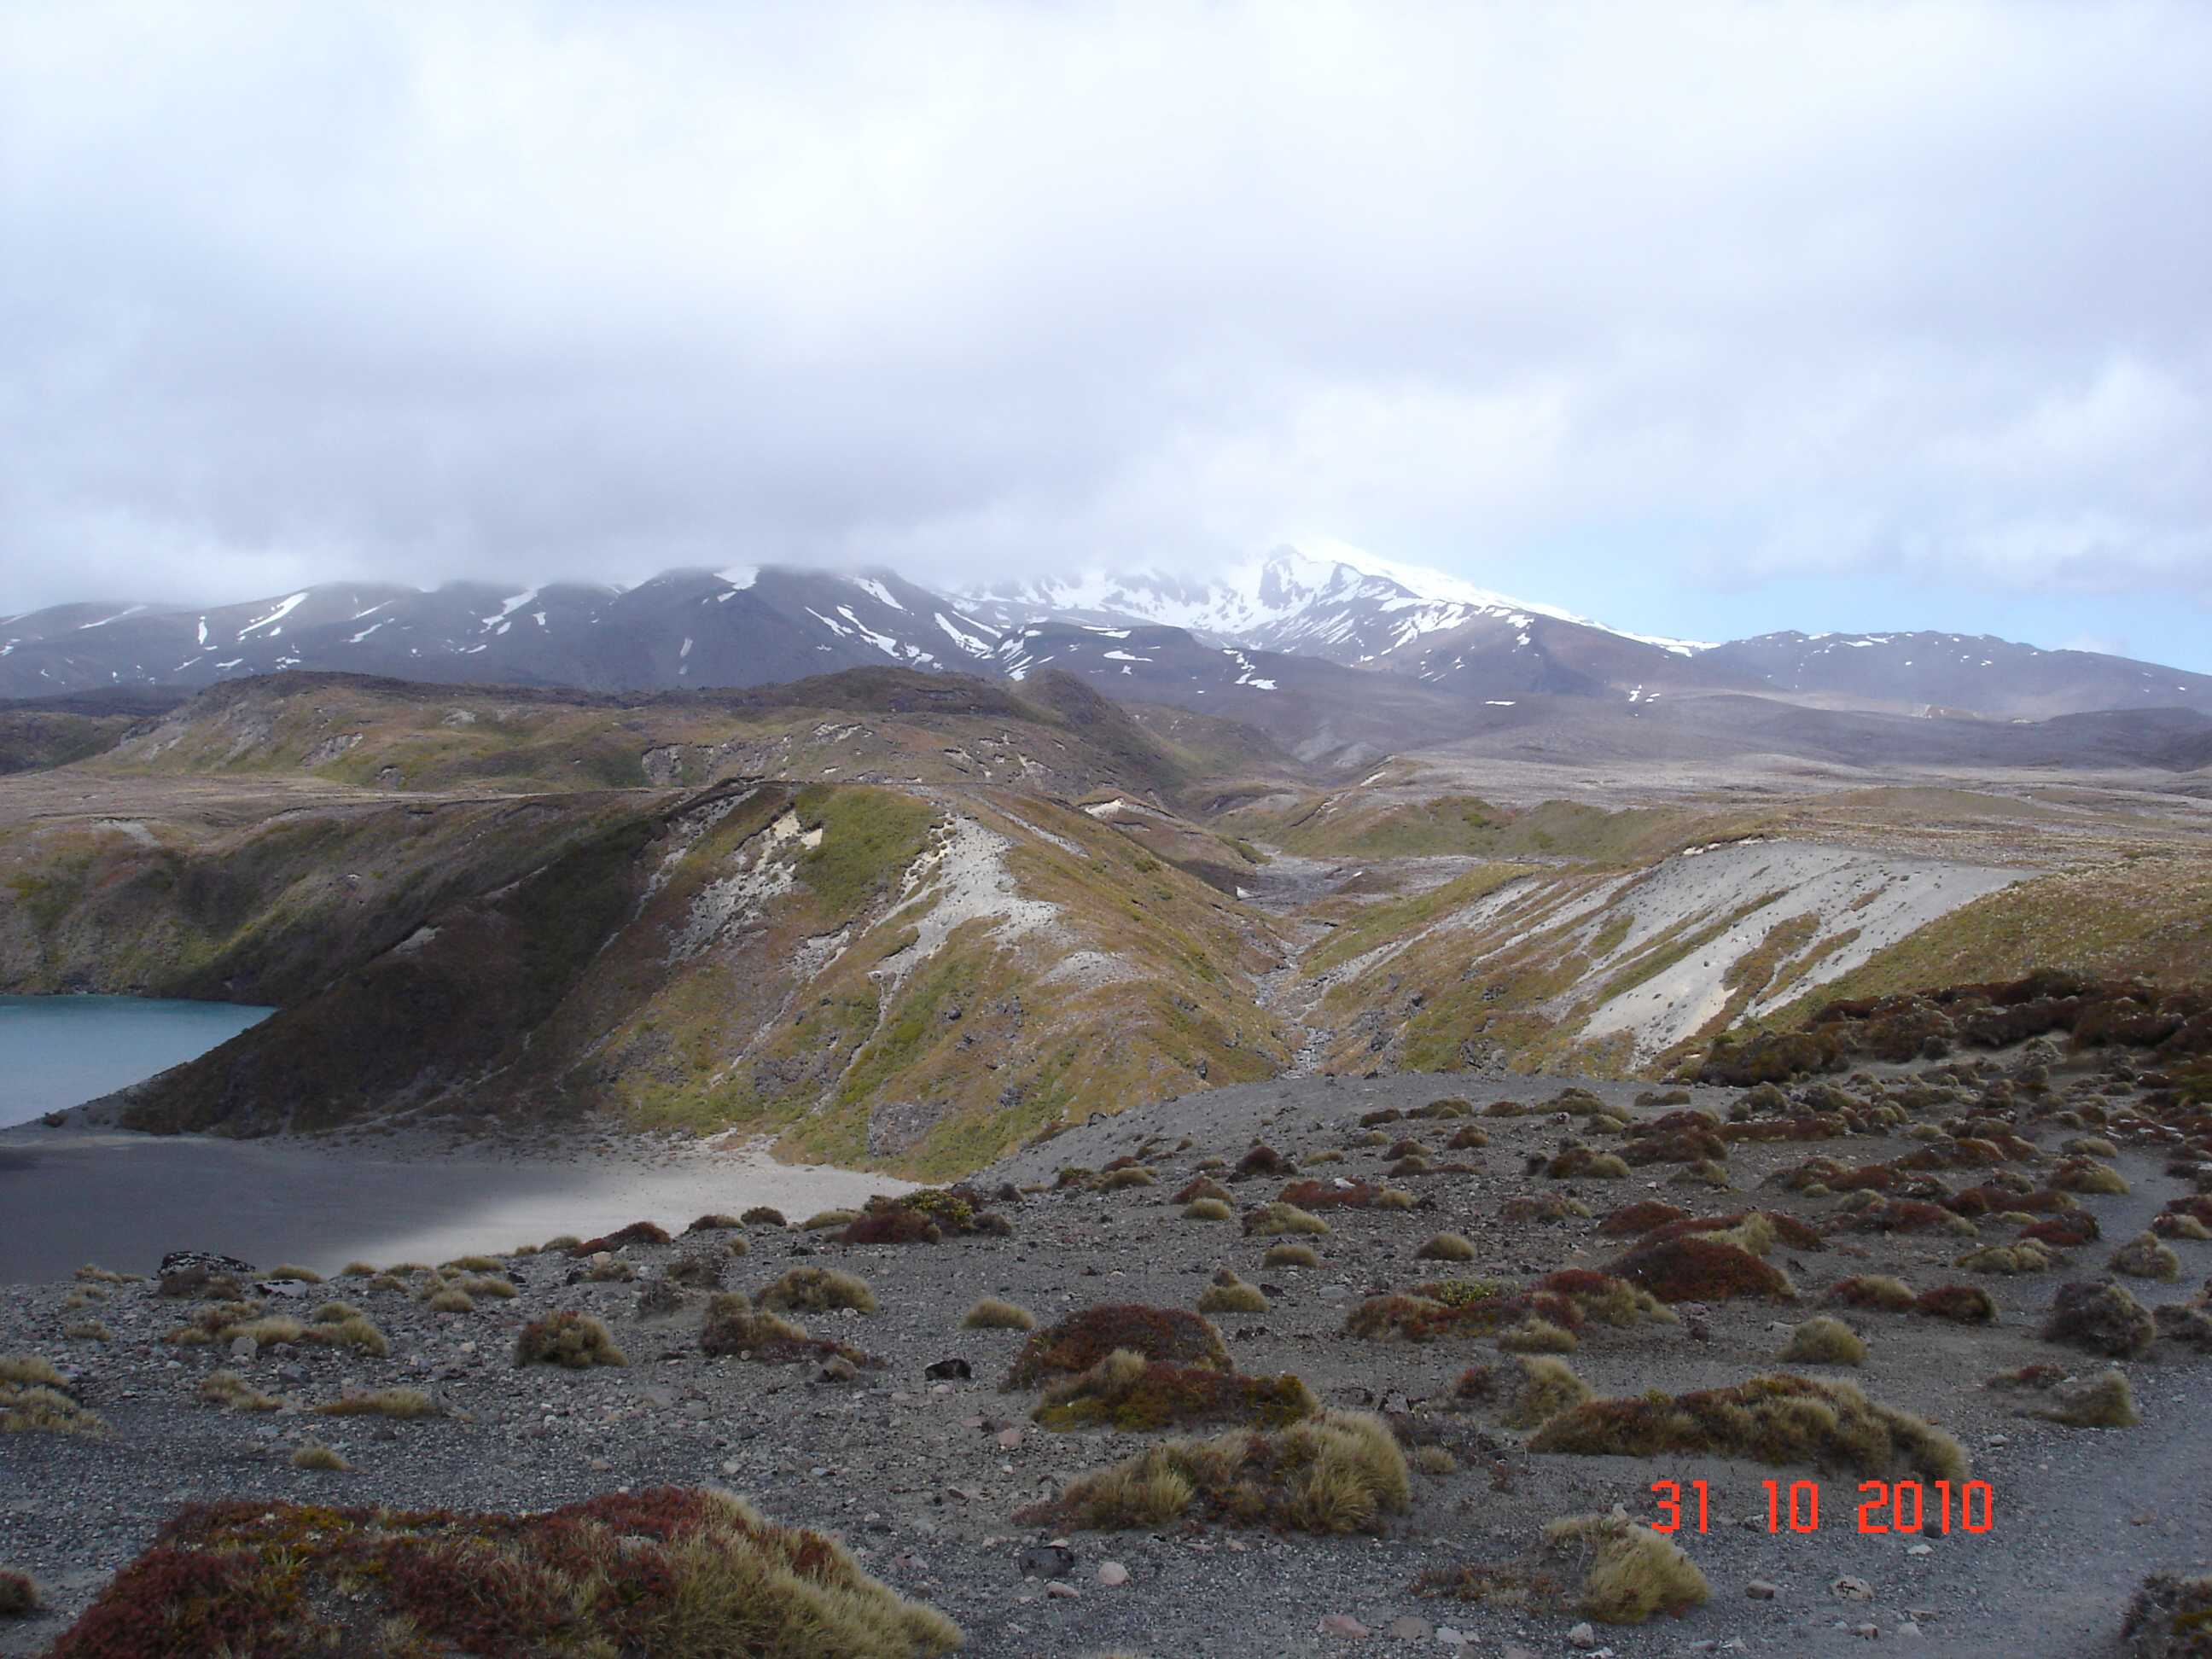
(922, 1477)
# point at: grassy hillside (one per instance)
(874, 724)
(913, 980)
(1353, 823)
(2150, 915)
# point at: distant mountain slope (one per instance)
(1051, 733)
(1366, 644)
(685, 627)
(1973, 671)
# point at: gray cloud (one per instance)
(553, 289)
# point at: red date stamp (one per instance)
(1935, 1506)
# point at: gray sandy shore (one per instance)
(82, 1193)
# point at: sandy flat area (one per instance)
(82, 1193)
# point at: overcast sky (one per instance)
(1699, 319)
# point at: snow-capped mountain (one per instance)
(1374, 614)
(1355, 613)
(1297, 640)
(742, 626)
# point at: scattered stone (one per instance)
(1408, 1627)
(1341, 1623)
(1045, 1561)
(1113, 1574)
(1758, 1589)
(945, 1369)
(1848, 1588)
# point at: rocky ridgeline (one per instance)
(1301, 1367)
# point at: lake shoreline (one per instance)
(90, 1193)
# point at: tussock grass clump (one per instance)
(1456, 1307)
(404, 1403)
(1821, 1340)
(313, 1455)
(1445, 1247)
(499, 1290)
(1134, 1175)
(451, 1300)
(638, 1232)
(1962, 1304)
(357, 1333)
(33, 1408)
(666, 1571)
(18, 1593)
(1448, 1106)
(88, 1330)
(1873, 1291)
(818, 1289)
(1203, 1187)
(1646, 1214)
(2086, 1174)
(476, 1264)
(1436, 1461)
(1705, 1172)
(2101, 1318)
(992, 1315)
(1337, 1472)
(1603, 1296)
(1756, 1230)
(334, 1313)
(822, 1219)
(1534, 1335)
(575, 1341)
(358, 1270)
(714, 1222)
(763, 1215)
(2028, 1256)
(1467, 1138)
(892, 1222)
(1774, 1418)
(1229, 1294)
(2177, 1225)
(1208, 1209)
(2147, 1257)
(1127, 1391)
(699, 1272)
(1338, 1193)
(2169, 1616)
(289, 1274)
(1393, 1198)
(2106, 1403)
(30, 1368)
(1547, 1386)
(227, 1388)
(1544, 1206)
(1632, 1572)
(2070, 1231)
(1261, 1160)
(1168, 1336)
(1290, 1254)
(1697, 1268)
(734, 1327)
(1272, 1220)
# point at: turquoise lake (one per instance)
(63, 1051)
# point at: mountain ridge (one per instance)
(1258, 626)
